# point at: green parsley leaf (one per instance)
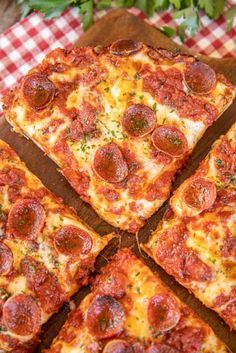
(218, 8)
(103, 4)
(154, 107)
(219, 162)
(176, 3)
(137, 76)
(233, 181)
(125, 3)
(187, 10)
(182, 13)
(147, 6)
(207, 6)
(49, 8)
(214, 9)
(86, 9)
(190, 23)
(230, 16)
(162, 5)
(24, 7)
(168, 31)
(177, 142)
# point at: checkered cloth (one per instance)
(25, 44)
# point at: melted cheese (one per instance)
(57, 216)
(142, 285)
(207, 241)
(111, 95)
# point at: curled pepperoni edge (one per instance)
(72, 231)
(112, 283)
(171, 129)
(146, 113)
(21, 302)
(118, 157)
(39, 211)
(211, 189)
(125, 47)
(120, 344)
(96, 308)
(202, 75)
(6, 257)
(171, 312)
(161, 348)
(28, 97)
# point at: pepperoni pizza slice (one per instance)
(119, 121)
(196, 241)
(130, 310)
(46, 254)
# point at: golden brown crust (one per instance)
(196, 241)
(86, 94)
(126, 285)
(36, 276)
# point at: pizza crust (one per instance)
(83, 111)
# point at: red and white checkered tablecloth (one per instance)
(25, 44)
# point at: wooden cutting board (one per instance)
(120, 24)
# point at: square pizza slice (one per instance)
(196, 241)
(46, 254)
(119, 121)
(130, 310)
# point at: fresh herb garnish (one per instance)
(219, 163)
(187, 12)
(154, 107)
(137, 76)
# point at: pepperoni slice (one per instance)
(161, 348)
(194, 269)
(200, 194)
(6, 259)
(225, 161)
(41, 281)
(22, 315)
(170, 140)
(109, 163)
(229, 246)
(188, 339)
(35, 272)
(137, 347)
(76, 132)
(125, 47)
(13, 176)
(163, 312)
(25, 219)
(85, 123)
(105, 317)
(38, 90)
(72, 241)
(227, 303)
(117, 346)
(200, 77)
(113, 283)
(3, 217)
(139, 120)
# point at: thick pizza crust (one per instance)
(135, 287)
(208, 235)
(43, 263)
(100, 85)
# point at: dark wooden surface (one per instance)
(120, 24)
